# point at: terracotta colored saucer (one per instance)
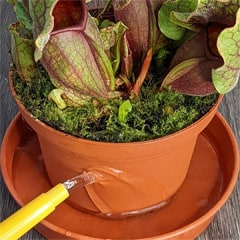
(210, 181)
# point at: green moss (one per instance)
(154, 114)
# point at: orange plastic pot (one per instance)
(134, 177)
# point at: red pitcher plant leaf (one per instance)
(55, 15)
(143, 33)
(187, 51)
(71, 15)
(218, 11)
(204, 43)
(192, 77)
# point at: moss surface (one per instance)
(154, 114)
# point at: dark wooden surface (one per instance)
(226, 224)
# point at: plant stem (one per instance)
(143, 73)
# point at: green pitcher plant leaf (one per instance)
(108, 35)
(22, 51)
(92, 31)
(112, 36)
(56, 96)
(226, 77)
(182, 20)
(116, 50)
(172, 17)
(22, 12)
(43, 23)
(124, 109)
(75, 61)
(64, 97)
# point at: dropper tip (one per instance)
(79, 181)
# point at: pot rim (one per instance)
(63, 134)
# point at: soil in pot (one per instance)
(153, 114)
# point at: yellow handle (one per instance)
(31, 214)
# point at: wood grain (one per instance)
(226, 224)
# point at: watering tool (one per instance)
(35, 211)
